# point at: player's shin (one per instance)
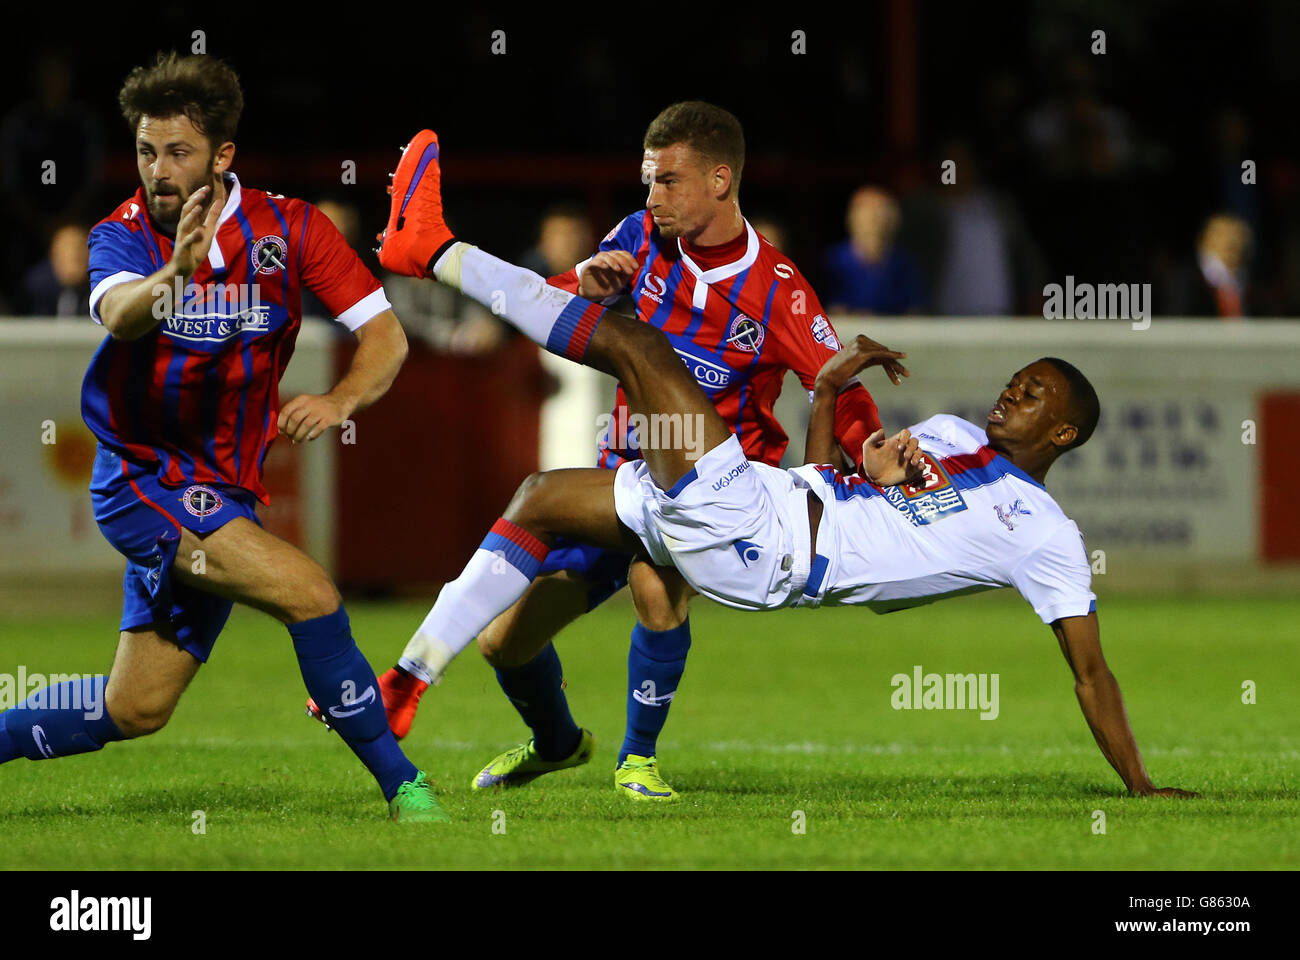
(655, 664)
(341, 682)
(554, 319)
(58, 721)
(501, 569)
(536, 690)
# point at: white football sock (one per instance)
(496, 576)
(554, 319)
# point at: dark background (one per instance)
(882, 95)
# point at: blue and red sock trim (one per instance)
(574, 328)
(520, 548)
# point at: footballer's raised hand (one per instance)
(607, 273)
(308, 415)
(197, 227)
(893, 460)
(858, 354)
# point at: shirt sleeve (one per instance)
(807, 345)
(332, 270)
(118, 254)
(627, 235)
(1056, 577)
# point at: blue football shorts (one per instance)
(604, 570)
(143, 519)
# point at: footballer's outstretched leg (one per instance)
(418, 242)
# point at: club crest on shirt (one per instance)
(201, 501)
(1017, 509)
(823, 334)
(746, 334)
(269, 254)
(933, 498)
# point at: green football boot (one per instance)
(522, 765)
(638, 778)
(415, 803)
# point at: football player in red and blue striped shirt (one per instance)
(198, 281)
(740, 315)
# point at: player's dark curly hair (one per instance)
(711, 131)
(200, 87)
(1083, 408)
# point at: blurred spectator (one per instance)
(347, 220)
(1072, 132)
(564, 238)
(1216, 284)
(1233, 144)
(51, 151)
(974, 244)
(1085, 165)
(59, 286)
(868, 272)
(771, 230)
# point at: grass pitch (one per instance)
(778, 713)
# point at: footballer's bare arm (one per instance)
(130, 310)
(1102, 704)
(858, 354)
(380, 352)
(887, 461)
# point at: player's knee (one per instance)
(654, 608)
(660, 604)
(499, 651)
(489, 644)
(141, 716)
(660, 618)
(530, 499)
(316, 597)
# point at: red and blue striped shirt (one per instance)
(739, 315)
(199, 394)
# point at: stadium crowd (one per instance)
(1052, 176)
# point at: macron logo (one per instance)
(749, 552)
(726, 479)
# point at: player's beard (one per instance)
(168, 213)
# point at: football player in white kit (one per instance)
(945, 507)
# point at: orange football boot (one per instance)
(400, 693)
(416, 231)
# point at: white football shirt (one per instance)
(976, 522)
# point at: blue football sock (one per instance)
(58, 721)
(655, 664)
(537, 691)
(341, 682)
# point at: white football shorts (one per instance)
(736, 529)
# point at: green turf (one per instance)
(778, 713)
